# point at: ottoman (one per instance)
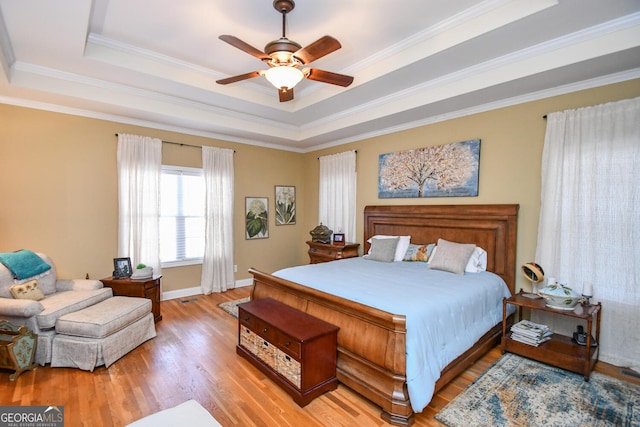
(102, 333)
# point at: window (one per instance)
(182, 221)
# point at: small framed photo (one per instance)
(338, 239)
(122, 268)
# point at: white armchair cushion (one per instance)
(61, 303)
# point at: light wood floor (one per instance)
(193, 357)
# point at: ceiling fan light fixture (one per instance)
(284, 56)
(284, 77)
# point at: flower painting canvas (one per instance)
(256, 217)
(448, 170)
(285, 205)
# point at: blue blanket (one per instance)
(23, 263)
(445, 313)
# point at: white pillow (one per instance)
(477, 262)
(401, 249)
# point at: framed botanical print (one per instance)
(256, 217)
(285, 205)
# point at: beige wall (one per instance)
(59, 193)
(510, 158)
(59, 183)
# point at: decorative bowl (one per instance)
(560, 296)
(142, 273)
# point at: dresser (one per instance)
(294, 349)
(143, 288)
(325, 252)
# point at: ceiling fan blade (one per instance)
(285, 94)
(245, 47)
(238, 78)
(317, 49)
(328, 77)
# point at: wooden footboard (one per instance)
(371, 342)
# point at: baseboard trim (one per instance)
(196, 290)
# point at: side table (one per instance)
(145, 288)
(560, 351)
(325, 252)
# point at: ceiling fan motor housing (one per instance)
(281, 45)
(283, 6)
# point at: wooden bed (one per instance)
(371, 342)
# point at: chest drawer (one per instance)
(289, 345)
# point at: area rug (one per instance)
(517, 391)
(231, 307)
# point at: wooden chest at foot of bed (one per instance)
(296, 350)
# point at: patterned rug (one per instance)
(517, 391)
(231, 307)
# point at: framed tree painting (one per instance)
(448, 170)
(256, 217)
(285, 205)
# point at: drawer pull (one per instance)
(287, 344)
(265, 330)
(246, 319)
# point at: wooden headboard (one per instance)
(491, 227)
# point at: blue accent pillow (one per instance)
(23, 264)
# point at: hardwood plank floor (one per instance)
(193, 357)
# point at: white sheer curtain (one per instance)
(589, 230)
(217, 265)
(139, 172)
(337, 207)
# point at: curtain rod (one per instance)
(355, 151)
(182, 144)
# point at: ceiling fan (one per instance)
(285, 57)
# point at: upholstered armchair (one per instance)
(39, 300)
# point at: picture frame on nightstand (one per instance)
(122, 268)
(338, 239)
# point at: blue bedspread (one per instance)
(23, 263)
(445, 313)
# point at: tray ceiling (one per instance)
(155, 62)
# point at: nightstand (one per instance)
(325, 252)
(560, 351)
(144, 288)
